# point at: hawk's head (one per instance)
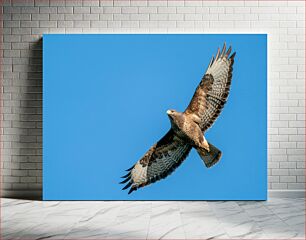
(171, 113)
(174, 116)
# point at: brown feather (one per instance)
(213, 90)
(159, 162)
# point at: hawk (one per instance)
(188, 127)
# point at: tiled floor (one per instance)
(274, 219)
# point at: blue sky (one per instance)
(105, 99)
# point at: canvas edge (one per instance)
(37, 194)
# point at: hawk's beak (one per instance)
(169, 112)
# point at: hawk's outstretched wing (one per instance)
(212, 92)
(158, 162)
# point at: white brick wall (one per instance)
(24, 21)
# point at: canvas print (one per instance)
(187, 112)
(187, 127)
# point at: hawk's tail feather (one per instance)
(132, 189)
(209, 158)
(130, 168)
(128, 185)
(125, 176)
(128, 178)
(125, 180)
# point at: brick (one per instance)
(113, 24)
(74, 3)
(185, 10)
(273, 179)
(98, 24)
(11, 9)
(41, 2)
(242, 10)
(279, 124)
(193, 17)
(273, 165)
(139, 17)
(166, 10)
(148, 24)
(287, 179)
(81, 10)
(19, 173)
(23, 3)
(38, 31)
(167, 24)
(91, 16)
(296, 172)
(280, 172)
(195, 3)
(11, 179)
(96, 10)
(121, 3)
(287, 165)
(65, 24)
(301, 116)
(185, 24)
(50, 10)
(95, 2)
(6, 172)
(129, 10)
(242, 24)
(29, 24)
(130, 24)
(81, 24)
(11, 53)
(57, 17)
(27, 179)
(221, 24)
(160, 17)
(261, 10)
(298, 157)
(287, 144)
(293, 109)
(25, 16)
(111, 10)
(40, 16)
(231, 3)
(296, 185)
(296, 151)
(73, 16)
(300, 145)
(139, 3)
(29, 10)
(147, 9)
(287, 131)
(273, 145)
(62, 10)
(7, 17)
(35, 173)
(121, 17)
(297, 124)
(279, 186)
(203, 10)
(300, 179)
(300, 165)
(46, 24)
(104, 17)
(11, 24)
(158, 3)
(288, 116)
(176, 17)
(57, 2)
